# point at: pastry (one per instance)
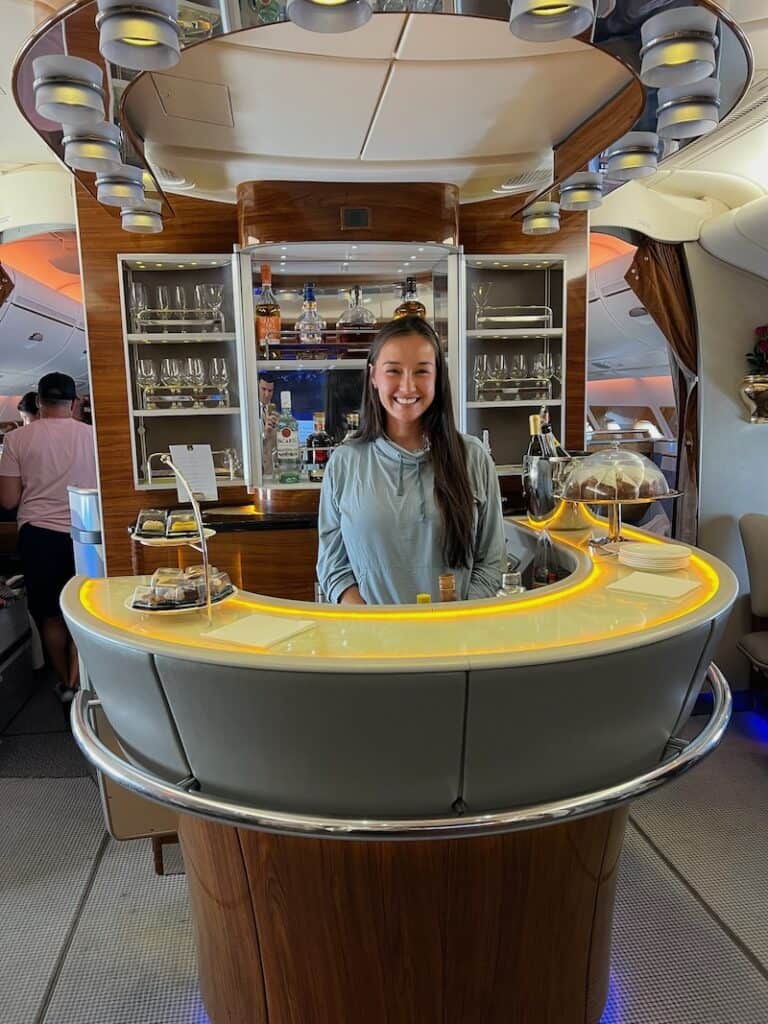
(152, 526)
(183, 526)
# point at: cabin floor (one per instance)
(91, 935)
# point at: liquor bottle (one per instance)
(511, 583)
(554, 446)
(288, 449)
(410, 305)
(356, 323)
(545, 569)
(318, 449)
(267, 314)
(353, 424)
(310, 325)
(447, 584)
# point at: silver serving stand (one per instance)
(200, 530)
(609, 545)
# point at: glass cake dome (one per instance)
(615, 474)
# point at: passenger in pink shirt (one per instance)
(37, 465)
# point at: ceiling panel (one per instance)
(427, 37)
(377, 39)
(513, 106)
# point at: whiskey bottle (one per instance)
(267, 314)
(447, 585)
(287, 443)
(410, 305)
(310, 325)
(356, 324)
(318, 449)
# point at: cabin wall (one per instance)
(730, 303)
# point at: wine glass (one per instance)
(146, 377)
(519, 365)
(163, 302)
(480, 373)
(137, 301)
(180, 300)
(171, 373)
(481, 291)
(499, 369)
(218, 375)
(542, 365)
(195, 375)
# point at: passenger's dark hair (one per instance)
(28, 403)
(453, 493)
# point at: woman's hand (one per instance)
(352, 595)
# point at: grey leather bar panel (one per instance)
(356, 744)
(134, 703)
(545, 732)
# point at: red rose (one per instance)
(762, 332)
(762, 347)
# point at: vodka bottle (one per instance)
(310, 325)
(288, 449)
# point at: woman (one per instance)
(28, 408)
(408, 498)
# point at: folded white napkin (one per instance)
(652, 585)
(259, 630)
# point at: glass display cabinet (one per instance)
(513, 351)
(332, 298)
(182, 324)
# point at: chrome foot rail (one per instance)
(185, 800)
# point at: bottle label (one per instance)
(268, 327)
(287, 443)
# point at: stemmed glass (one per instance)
(499, 369)
(542, 365)
(146, 377)
(519, 366)
(195, 375)
(163, 302)
(137, 302)
(170, 373)
(218, 375)
(480, 373)
(179, 301)
(481, 291)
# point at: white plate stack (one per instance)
(654, 557)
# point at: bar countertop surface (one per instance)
(578, 617)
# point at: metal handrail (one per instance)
(182, 798)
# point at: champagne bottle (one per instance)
(537, 443)
(554, 446)
(267, 314)
(410, 305)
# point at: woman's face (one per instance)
(404, 376)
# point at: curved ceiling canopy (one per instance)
(426, 90)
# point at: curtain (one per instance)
(658, 277)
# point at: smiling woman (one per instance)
(408, 499)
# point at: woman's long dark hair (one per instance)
(453, 494)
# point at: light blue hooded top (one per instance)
(379, 525)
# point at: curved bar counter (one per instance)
(430, 724)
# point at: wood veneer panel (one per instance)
(484, 232)
(298, 211)
(597, 133)
(199, 226)
(497, 930)
(276, 563)
(228, 954)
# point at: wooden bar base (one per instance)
(510, 929)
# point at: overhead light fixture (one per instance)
(678, 47)
(544, 21)
(583, 191)
(93, 147)
(122, 187)
(329, 15)
(144, 219)
(68, 89)
(143, 35)
(634, 155)
(687, 111)
(541, 218)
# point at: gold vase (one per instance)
(754, 394)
